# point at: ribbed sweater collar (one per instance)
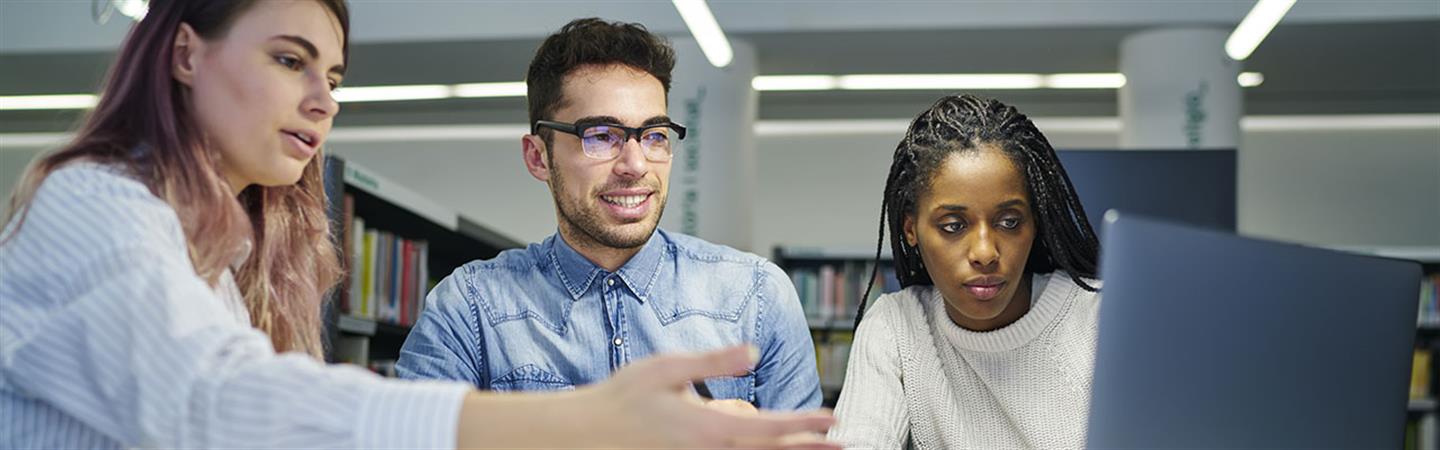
(1056, 290)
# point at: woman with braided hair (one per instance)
(991, 342)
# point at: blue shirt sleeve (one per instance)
(446, 342)
(786, 378)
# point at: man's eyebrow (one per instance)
(593, 120)
(657, 120)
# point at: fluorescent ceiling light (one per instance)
(1250, 79)
(358, 94)
(1110, 124)
(835, 127)
(391, 93)
(134, 9)
(706, 31)
(942, 81)
(1333, 122)
(68, 101)
(1085, 81)
(1255, 26)
(897, 127)
(506, 89)
(1077, 124)
(794, 82)
(414, 133)
(956, 81)
(34, 140)
(773, 128)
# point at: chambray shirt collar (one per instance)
(577, 274)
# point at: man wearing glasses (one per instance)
(609, 288)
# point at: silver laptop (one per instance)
(1212, 341)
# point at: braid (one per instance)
(1065, 239)
(901, 165)
(909, 268)
(1070, 241)
(879, 241)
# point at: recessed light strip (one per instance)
(1255, 26)
(822, 127)
(701, 22)
(958, 81)
(359, 94)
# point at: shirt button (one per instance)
(618, 341)
(610, 282)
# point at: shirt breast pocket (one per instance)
(530, 377)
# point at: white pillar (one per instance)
(1180, 90)
(712, 179)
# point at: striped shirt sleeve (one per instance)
(106, 330)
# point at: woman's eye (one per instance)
(1010, 223)
(952, 227)
(290, 62)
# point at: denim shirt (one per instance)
(546, 318)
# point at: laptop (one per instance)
(1212, 341)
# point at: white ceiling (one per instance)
(29, 26)
(1327, 57)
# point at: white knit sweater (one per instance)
(916, 378)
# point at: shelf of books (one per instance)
(829, 282)
(1422, 428)
(395, 246)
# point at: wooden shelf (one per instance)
(367, 327)
(838, 324)
(1422, 405)
(362, 179)
(799, 253)
(452, 240)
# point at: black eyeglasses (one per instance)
(603, 141)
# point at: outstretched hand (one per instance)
(651, 402)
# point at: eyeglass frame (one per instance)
(578, 131)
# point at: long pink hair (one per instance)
(144, 122)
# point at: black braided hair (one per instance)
(962, 123)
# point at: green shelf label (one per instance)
(357, 177)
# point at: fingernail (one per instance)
(754, 354)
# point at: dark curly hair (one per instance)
(591, 42)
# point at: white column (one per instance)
(712, 179)
(1180, 90)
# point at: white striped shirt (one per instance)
(109, 339)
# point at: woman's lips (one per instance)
(984, 292)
